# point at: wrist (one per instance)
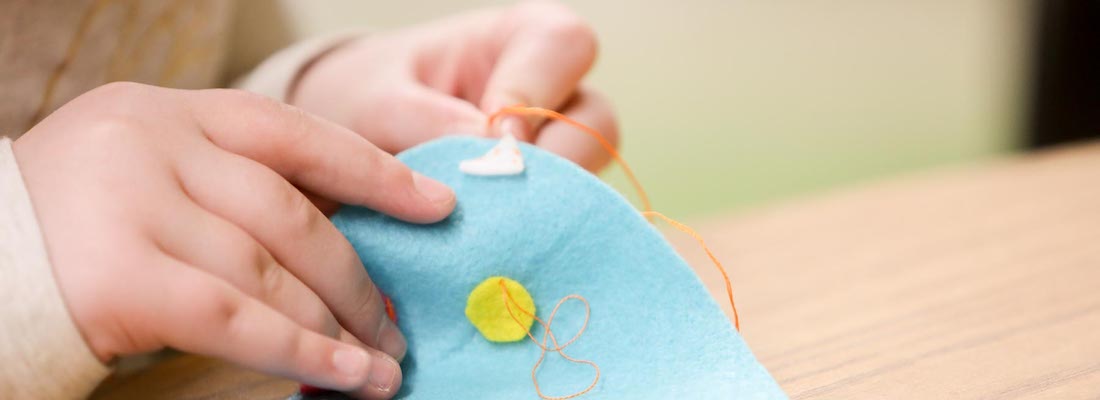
(46, 355)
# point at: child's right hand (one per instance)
(173, 218)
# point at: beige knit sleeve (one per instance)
(42, 354)
(276, 76)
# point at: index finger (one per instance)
(548, 49)
(318, 155)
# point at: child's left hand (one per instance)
(401, 88)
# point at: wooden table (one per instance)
(975, 282)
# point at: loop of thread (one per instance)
(549, 334)
(647, 212)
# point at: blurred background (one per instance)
(732, 104)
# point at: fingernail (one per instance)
(391, 341)
(382, 373)
(431, 189)
(351, 362)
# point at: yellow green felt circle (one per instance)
(487, 310)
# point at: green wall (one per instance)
(732, 104)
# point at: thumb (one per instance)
(417, 114)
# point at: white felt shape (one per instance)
(503, 159)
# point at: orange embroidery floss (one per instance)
(391, 311)
(509, 301)
(698, 238)
(551, 114)
(647, 212)
(647, 208)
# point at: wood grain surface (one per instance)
(978, 282)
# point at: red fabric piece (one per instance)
(308, 390)
(390, 310)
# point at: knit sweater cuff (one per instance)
(278, 74)
(43, 353)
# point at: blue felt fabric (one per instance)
(654, 330)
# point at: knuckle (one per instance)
(301, 217)
(122, 98)
(320, 320)
(391, 174)
(293, 128)
(112, 111)
(271, 277)
(365, 299)
(276, 282)
(211, 305)
(285, 124)
(119, 90)
(110, 128)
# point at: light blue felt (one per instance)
(558, 230)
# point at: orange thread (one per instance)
(647, 211)
(542, 112)
(698, 238)
(548, 334)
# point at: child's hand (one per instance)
(173, 219)
(401, 88)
